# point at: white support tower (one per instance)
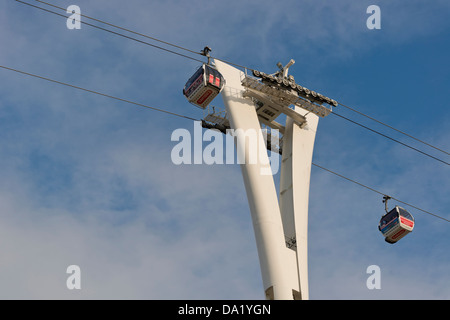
(280, 225)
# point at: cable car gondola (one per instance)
(395, 224)
(203, 86)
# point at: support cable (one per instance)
(98, 93)
(391, 127)
(114, 32)
(240, 66)
(379, 192)
(392, 139)
(189, 118)
(231, 63)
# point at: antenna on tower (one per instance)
(284, 70)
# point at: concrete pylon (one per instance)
(281, 228)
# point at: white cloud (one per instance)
(176, 252)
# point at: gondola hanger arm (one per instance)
(385, 201)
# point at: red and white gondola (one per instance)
(396, 224)
(203, 86)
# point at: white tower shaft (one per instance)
(284, 270)
(298, 144)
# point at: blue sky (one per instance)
(89, 181)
